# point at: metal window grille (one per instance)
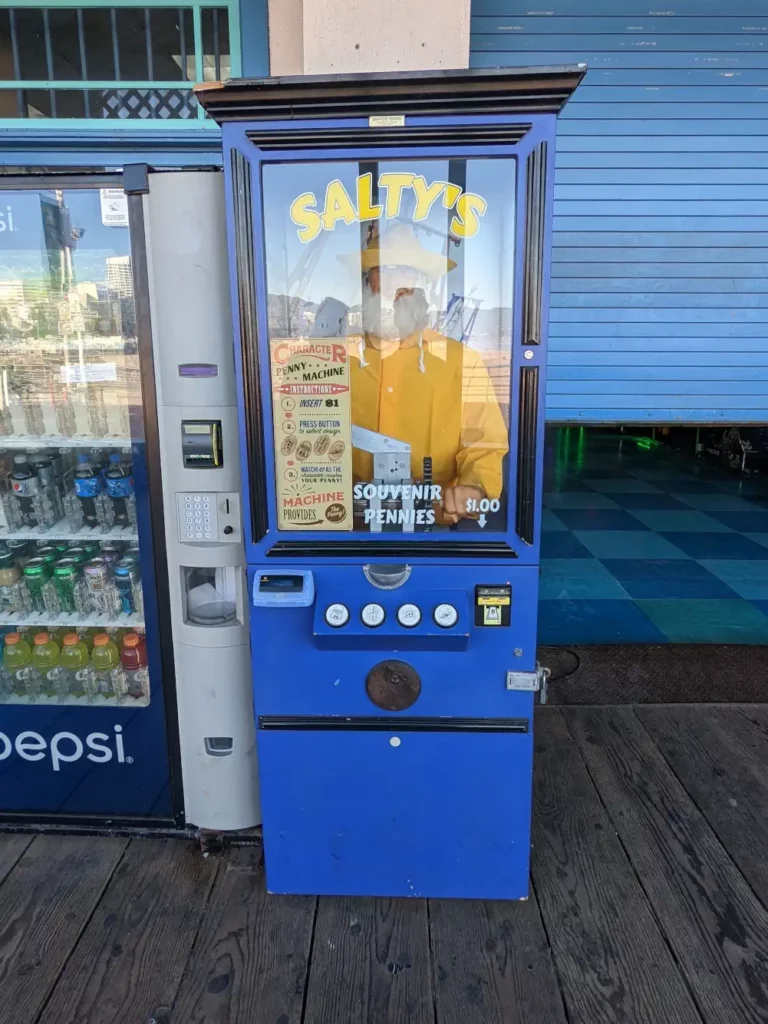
(123, 63)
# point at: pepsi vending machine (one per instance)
(389, 243)
(115, 350)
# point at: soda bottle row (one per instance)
(62, 579)
(93, 489)
(49, 399)
(86, 664)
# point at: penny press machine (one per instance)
(390, 244)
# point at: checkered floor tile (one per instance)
(643, 544)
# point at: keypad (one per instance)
(198, 520)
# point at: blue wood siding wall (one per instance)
(660, 275)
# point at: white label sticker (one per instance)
(114, 208)
(88, 373)
(386, 121)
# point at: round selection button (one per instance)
(373, 615)
(409, 615)
(337, 615)
(445, 616)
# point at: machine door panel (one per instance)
(385, 831)
(303, 666)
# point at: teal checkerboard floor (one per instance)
(643, 545)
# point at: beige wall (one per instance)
(315, 37)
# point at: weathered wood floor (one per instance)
(649, 906)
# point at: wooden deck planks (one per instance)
(721, 758)
(11, 849)
(613, 962)
(45, 903)
(492, 964)
(131, 957)
(649, 877)
(711, 918)
(250, 960)
(370, 963)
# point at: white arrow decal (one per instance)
(482, 520)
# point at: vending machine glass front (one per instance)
(83, 728)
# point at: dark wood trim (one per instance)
(543, 90)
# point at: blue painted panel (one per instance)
(648, 58)
(664, 330)
(635, 8)
(659, 304)
(656, 286)
(604, 42)
(708, 269)
(657, 127)
(700, 240)
(669, 223)
(594, 366)
(629, 26)
(655, 182)
(656, 160)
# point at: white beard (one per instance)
(392, 320)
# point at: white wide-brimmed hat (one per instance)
(398, 247)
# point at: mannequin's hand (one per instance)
(455, 502)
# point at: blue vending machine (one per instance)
(390, 248)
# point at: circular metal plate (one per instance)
(393, 685)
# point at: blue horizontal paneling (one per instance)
(593, 9)
(708, 159)
(758, 225)
(700, 240)
(659, 304)
(688, 286)
(572, 334)
(630, 27)
(616, 43)
(708, 182)
(649, 58)
(566, 256)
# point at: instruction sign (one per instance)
(114, 207)
(312, 436)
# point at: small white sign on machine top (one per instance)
(337, 615)
(408, 615)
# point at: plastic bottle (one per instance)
(12, 590)
(134, 659)
(105, 658)
(17, 655)
(73, 664)
(51, 509)
(118, 479)
(25, 485)
(45, 661)
(88, 489)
